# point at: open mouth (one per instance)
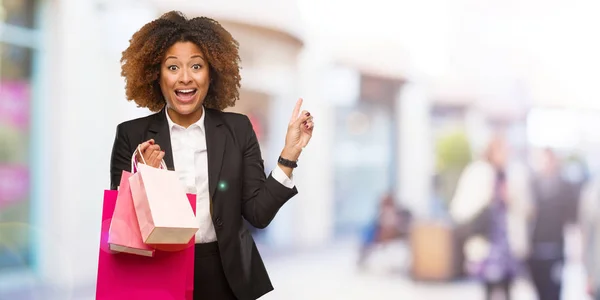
(185, 95)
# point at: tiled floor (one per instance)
(330, 274)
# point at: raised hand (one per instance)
(300, 129)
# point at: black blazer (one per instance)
(234, 158)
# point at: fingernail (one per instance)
(306, 126)
(151, 142)
(307, 114)
(304, 122)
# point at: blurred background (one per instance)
(457, 142)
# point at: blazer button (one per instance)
(219, 222)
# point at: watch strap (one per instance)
(287, 163)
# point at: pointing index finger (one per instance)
(296, 110)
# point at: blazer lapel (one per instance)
(162, 137)
(215, 147)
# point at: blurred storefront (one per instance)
(366, 139)
(18, 52)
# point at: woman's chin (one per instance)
(186, 108)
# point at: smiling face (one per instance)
(184, 82)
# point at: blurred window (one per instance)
(16, 66)
(18, 12)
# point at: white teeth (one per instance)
(185, 91)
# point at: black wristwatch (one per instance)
(288, 163)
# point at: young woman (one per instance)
(187, 71)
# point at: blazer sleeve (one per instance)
(120, 158)
(262, 196)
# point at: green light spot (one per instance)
(222, 186)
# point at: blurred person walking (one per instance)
(589, 220)
(490, 208)
(555, 207)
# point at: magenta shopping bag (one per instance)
(169, 275)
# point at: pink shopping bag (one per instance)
(124, 234)
(169, 275)
(163, 212)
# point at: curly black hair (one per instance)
(141, 61)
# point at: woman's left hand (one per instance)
(299, 131)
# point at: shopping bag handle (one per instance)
(163, 165)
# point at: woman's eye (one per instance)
(196, 67)
(172, 68)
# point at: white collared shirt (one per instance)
(191, 165)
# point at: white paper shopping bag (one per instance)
(163, 210)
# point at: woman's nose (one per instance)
(185, 77)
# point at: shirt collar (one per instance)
(199, 123)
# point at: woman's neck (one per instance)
(185, 120)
